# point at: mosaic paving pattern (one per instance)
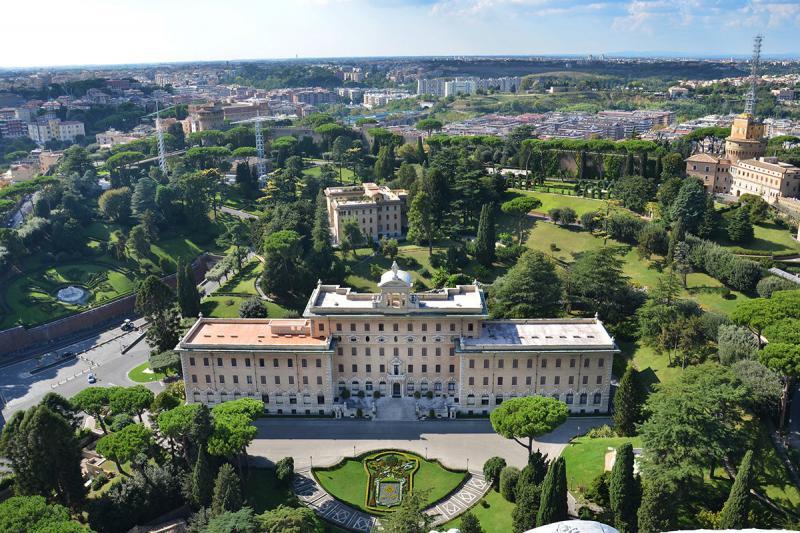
(313, 495)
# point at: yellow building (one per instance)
(397, 343)
(378, 210)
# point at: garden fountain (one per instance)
(73, 295)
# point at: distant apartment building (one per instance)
(315, 96)
(55, 130)
(456, 87)
(13, 128)
(784, 94)
(355, 95)
(639, 121)
(113, 137)
(381, 98)
(378, 210)
(678, 92)
(433, 87)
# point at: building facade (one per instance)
(55, 130)
(397, 343)
(378, 210)
(743, 169)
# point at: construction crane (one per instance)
(755, 63)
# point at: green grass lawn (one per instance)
(244, 281)
(585, 459)
(348, 482)
(492, 511)
(316, 171)
(228, 307)
(549, 201)
(767, 239)
(140, 374)
(653, 368)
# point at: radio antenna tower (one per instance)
(755, 63)
(162, 158)
(261, 163)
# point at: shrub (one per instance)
(429, 395)
(508, 482)
(509, 254)
(120, 421)
(563, 215)
(553, 247)
(492, 469)
(736, 272)
(624, 227)
(361, 394)
(284, 470)
(345, 394)
(417, 395)
(591, 220)
(359, 413)
(376, 394)
(598, 490)
(99, 480)
(770, 284)
(431, 413)
(253, 308)
(601, 432)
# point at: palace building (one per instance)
(398, 343)
(378, 210)
(743, 169)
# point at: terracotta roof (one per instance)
(252, 332)
(704, 158)
(782, 168)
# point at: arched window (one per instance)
(498, 399)
(341, 386)
(354, 386)
(306, 398)
(570, 398)
(368, 386)
(597, 398)
(485, 399)
(583, 398)
(410, 387)
(437, 387)
(470, 399)
(423, 386)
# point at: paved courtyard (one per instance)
(324, 442)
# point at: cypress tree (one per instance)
(643, 164)
(524, 514)
(629, 164)
(470, 523)
(421, 156)
(659, 168)
(656, 510)
(484, 243)
(227, 493)
(739, 227)
(202, 481)
(627, 409)
(321, 238)
(622, 490)
(186, 288)
(553, 503)
(735, 511)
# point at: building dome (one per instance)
(394, 275)
(574, 526)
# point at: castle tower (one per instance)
(746, 140)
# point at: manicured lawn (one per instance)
(348, 482)
(140, 374)
(653, 368)
(767, 239)
(244, 282)
(493, 512)
(228, 307)
(347, 174)
(585, 459)
(569, 242)
(550, 200)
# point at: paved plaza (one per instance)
(457, 444)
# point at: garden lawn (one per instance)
(348, 482)
(493, 512)
(767, 239)
(585, 459)
(228, 307)
(316, 171)
(140, 374)
(244, 282)
(550, 201)
(653, 368)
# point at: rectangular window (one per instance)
(438, 327)
(438, 351)
(544, 363)
(222, 379)
(558, 363)
(369, 369)
(205, 361)
(571, 380)
(353, 351)
(572, 363)
(424, 369)
(585, 380)
(319, 363)
(601, 362)
(263, 380)
(452, 327)
(438, 368)
(470, 326)
(514, 381)
(219, 361)
(410, 327)
(485, 363)
(233, 361)
(208, 378)
(236, 379)
(528, 380)
(542, 380)
(395, 327)
(277, 380)
(275, 363)
(530, 363)
(557, 380)
(471, 381)
(304, 363)
(319, 380)
(424, 352)
(500, 363)
(515, 363)
(472, 363)
(249, 380)
(191, 361)
(586, 363)
(341, 368)
(411, 352)
(382, 368)
(381, 352)
(355, 368)
(452, 368)
(424, 326)
(339, 351)
(322, 327)
(194, 378)
(247, 362)
(366, 326)
(599, 380)
(410, 369)
(485, 382)
(352, 327)
(396, 351)
(367, 351)
(499, 380)
(289, 362)
(261, 362)
(305, 380)
(380, 326)
(291, 380)
(338, 327)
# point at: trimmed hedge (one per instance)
(735, 272)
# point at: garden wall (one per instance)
(18, 339)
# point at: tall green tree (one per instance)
(186, 288)
(421, 156)
(657, 511)
(123, 445)
(740, 229)
(131, 400)
(201, 480)
(597, 284)
(470, 523)
(44, 454)
(735, 512)
(421, 220)
(528, 417)
(285, 519)
(36, 514)
(627, 404)
(144, 197)
(524, 514)
(409, 517)
(553, 502)
(624, 491)
(519, 208)
(227, 495)
(530, 289)
(486, 238)
(94, 401)
(115, 204)
(384, 164)
(689, 205)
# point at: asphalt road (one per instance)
(19, 389)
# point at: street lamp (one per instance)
(426, 452)
(467, 464)
(311, 460)
(354, 451)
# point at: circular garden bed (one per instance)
(377, 482)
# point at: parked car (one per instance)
(91, 378)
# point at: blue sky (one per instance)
(68, 32)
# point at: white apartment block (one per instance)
(55, 129)
(397, 343)
(378, 210)
(456, 87)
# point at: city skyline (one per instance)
(92, 32)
